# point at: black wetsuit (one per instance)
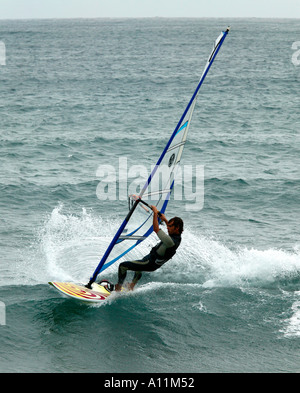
(159, 255)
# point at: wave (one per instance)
(292, 322)
(69, 247)
(206, 260)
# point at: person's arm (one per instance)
(166, 239)
(163, 218)
(155, 219)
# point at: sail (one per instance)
(138, 224)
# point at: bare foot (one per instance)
(118, 287)
(131, 286)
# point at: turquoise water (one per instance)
(79, 94)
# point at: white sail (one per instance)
(137, 226)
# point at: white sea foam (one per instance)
(292, 323)
(70, 248)
(206, 260)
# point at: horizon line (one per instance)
(147, 17)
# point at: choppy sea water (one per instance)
(78, 94)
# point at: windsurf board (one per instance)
(98, 293)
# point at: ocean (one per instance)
(80, 94)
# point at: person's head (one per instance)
(175, 226)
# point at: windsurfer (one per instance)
(159, 254)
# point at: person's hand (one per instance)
(163, 217)
(154, 209)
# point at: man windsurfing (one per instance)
(159, 254)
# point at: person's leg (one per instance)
(136, 278)
(136, 266)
